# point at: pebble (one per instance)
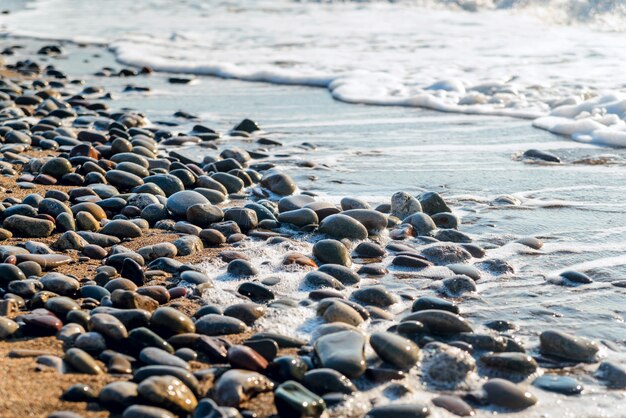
(116, 396)
(559, 384)
(567, 346)
(82, 362)
(394, 349)
(168, 321)
(340, 226)
(330, 251)
(168, 392)
(237, 386)
(399, 410)
(404, 205)
(342, 351)
(24, 226)
(375, 295)
(293, 399)
(215, 325)
(440, 322)
(613, 374)
(506, 394)
(158, 357)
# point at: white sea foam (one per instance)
(498, 60)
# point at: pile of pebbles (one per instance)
(96, 182)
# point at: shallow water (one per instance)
(372, 152)
(515, 58)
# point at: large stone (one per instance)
(24, 226)
(341, 226)
(342, 351)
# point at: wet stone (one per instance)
(245, 312)
(242, 268)
(404, 205)
(398, 410)
(256, 292)
(293, 399)
(510, 362)
(429, 302)
(158, 357)
(341, 226)
(82, 362)
(168, 392)
(440, 322)
(506, 394)
(330, 251)
(394, 349)
(342, 351)
(375, 295)
(117, 396)
(107, 325)
(568, 347)
(143, 411)
(560, 384)
(613, 374)
(342, 273)
(168, 321)
(324, 380)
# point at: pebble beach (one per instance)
(156, 269)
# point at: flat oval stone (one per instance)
(168, 392)
(279, 183)
(183, 375)
(319, 279)
(576, 277)
(24, 226)
(324, 380)
(60, 284)
(429, 302)
(413, 410)
(341, 226)
(299, 217)
(153, 356)
(108, 325)
(455, 405)
(510, 362)
(214, 325)
(121, 228)
(168, 321)
(560, 384)
(116, 396)
(394, 349)
(508, 395)
(567, 346)
(82, 362)
(375, 295)
(243, 357)
(342, 273)
(179, 202)
(440, 322)
(330, 251)
(374, 221)
(143, 337)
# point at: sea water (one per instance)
(558, 72)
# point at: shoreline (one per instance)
(371, 314)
